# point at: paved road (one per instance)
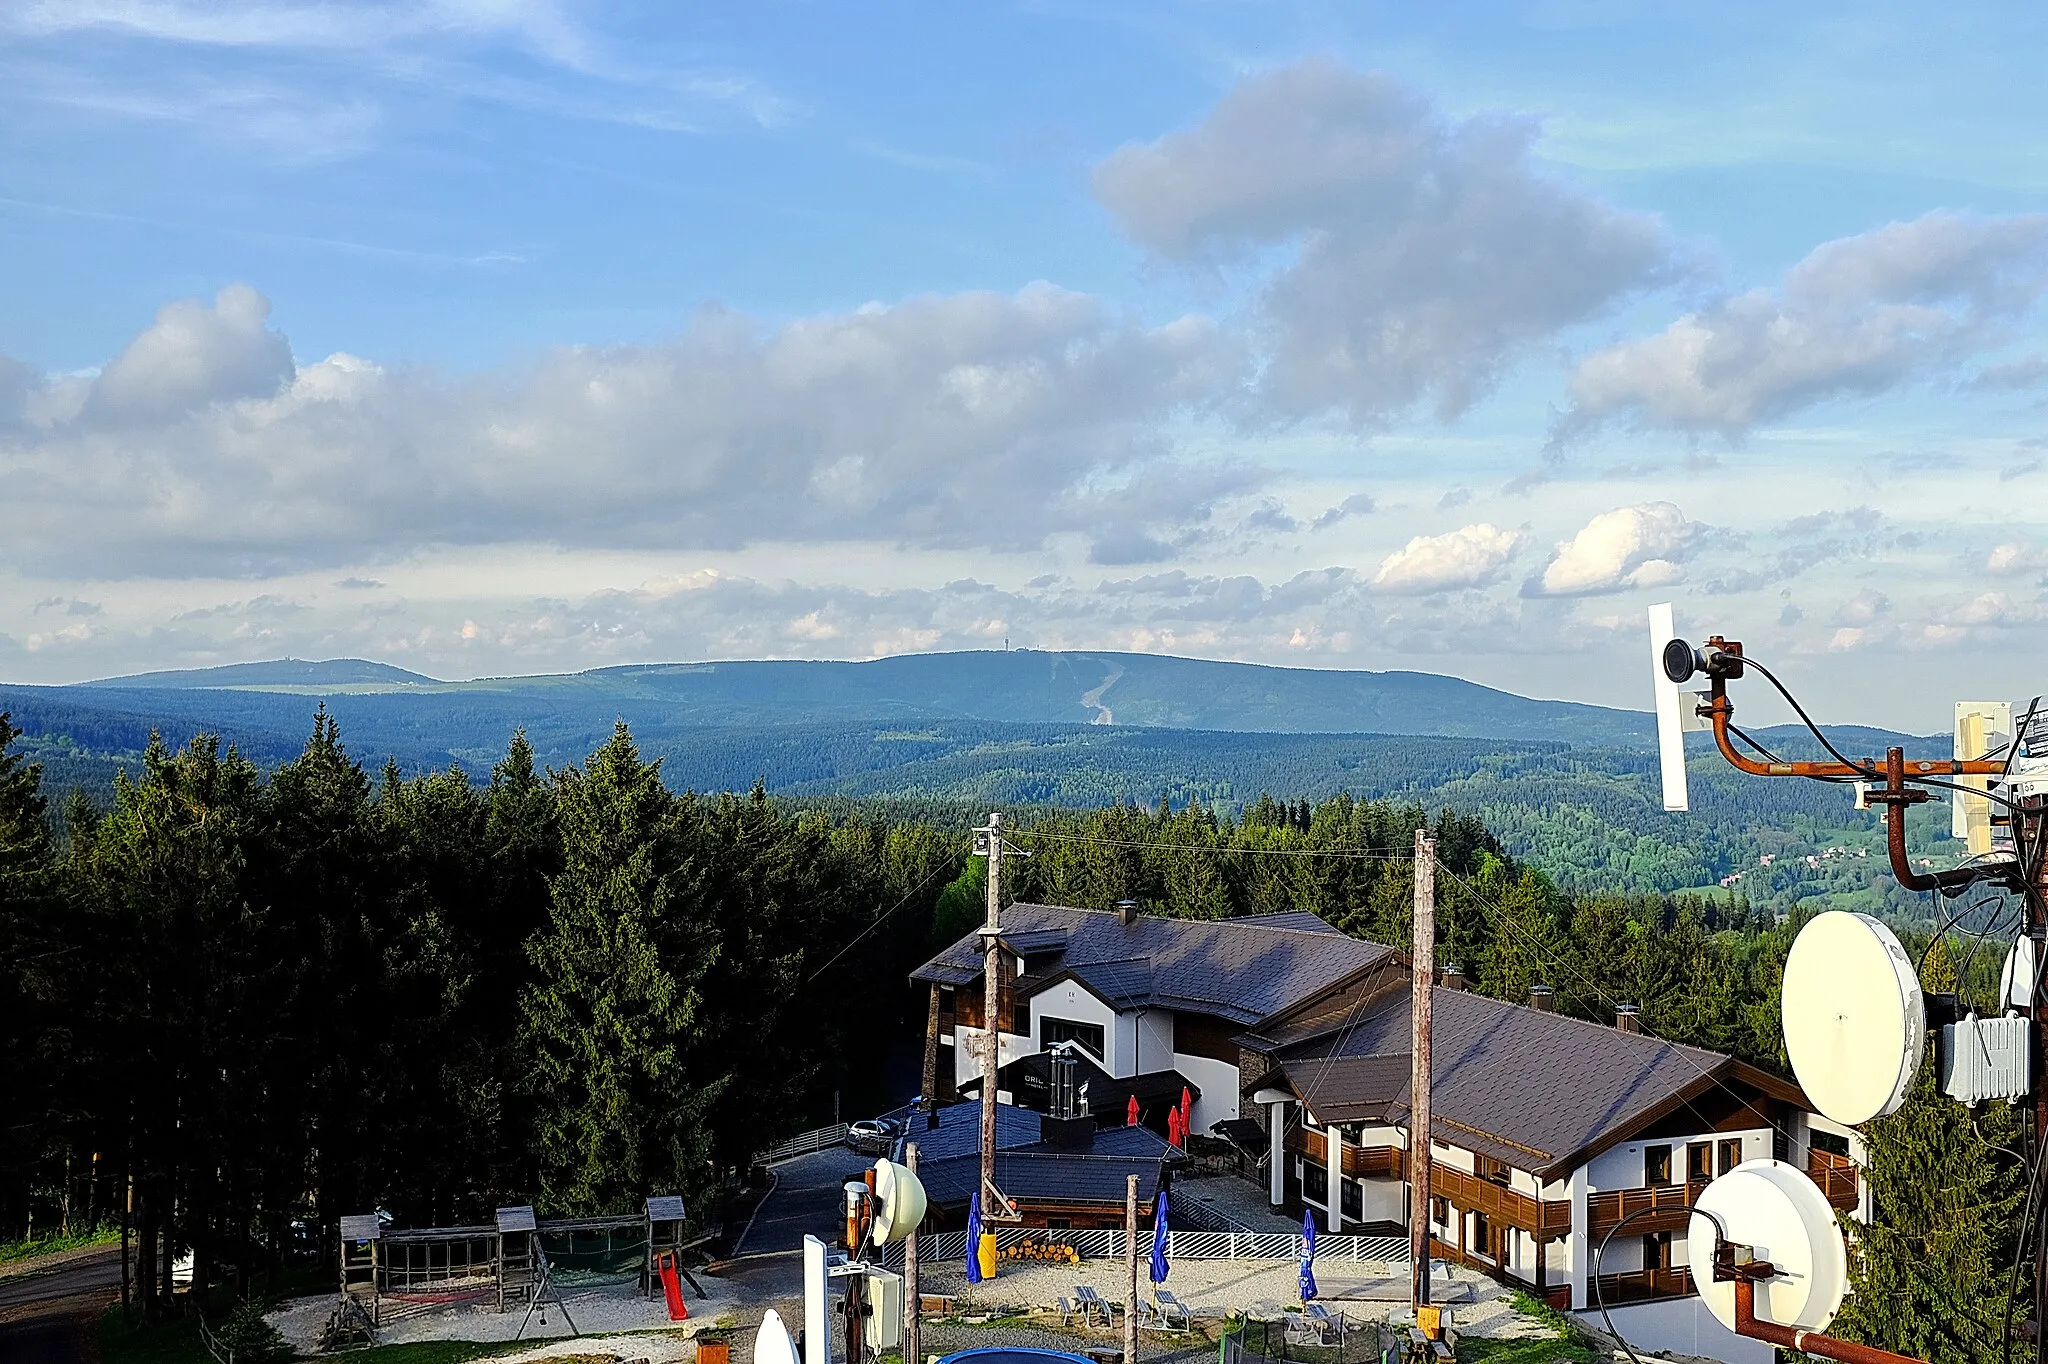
(46, 1314)
(808, 1197)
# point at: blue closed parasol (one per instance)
(1308, 1254)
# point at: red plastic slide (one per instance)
(671, 1286)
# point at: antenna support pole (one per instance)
(989, 843)
(1423, 982)
(1814, 1343)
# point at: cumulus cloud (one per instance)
(2014, 559)
(1858, 315)
(194, 355)
(1629, 547)
(1429, 253)
(1472, 556)
(973, 420)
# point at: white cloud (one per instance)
(1431, 254)
(192, 356)
(2014, 559)
(1629, 547)
(1858, 315)
(970, 420)
(1472, 556)
(1865, 608)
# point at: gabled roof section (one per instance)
(1241, 970)
(1542, 1092)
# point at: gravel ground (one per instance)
(1242, 1201)
(596, 1312)
(1214, 1289)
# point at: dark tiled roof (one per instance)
(1242, 970)
(1532, 1089)
(959, 1131)
(1042, 1176)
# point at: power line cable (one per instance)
(1502, 923)
(879, 920)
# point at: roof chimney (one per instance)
(1454, 977)
(1628, 1018)
(1542, 999)
(1127, 910)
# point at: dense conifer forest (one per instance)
(264, 998)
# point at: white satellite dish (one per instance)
(1776, 1211)
(1855, 1022)
(772, 1343)
(899, 1203)
(1670, 712)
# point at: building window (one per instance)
(1315, 1183)
(1354, 1200)
(1731, 1154)
(1440, 1212)
(1482, 1235)
(1490, 1170)
(1656, 1165)
(1657, 1250)
(1830, 1142)
(1053, 1031)
(1699, 1162)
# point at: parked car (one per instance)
(873, 1136)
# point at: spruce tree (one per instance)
(1929, 1275)
(618, 966)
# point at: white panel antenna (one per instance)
(1675, 712)
(1981, 728)
(1855, 1021)
(772, 1344)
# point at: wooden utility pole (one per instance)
(931, 1054)
(1418, 1074)
(994, 1207)
(2032, 820)
(1131, 1266)
(913, 1314)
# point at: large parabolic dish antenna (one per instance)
(1855, 1022)
(1776, 1211)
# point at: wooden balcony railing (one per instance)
(1641, 1285)
(1544, 1219)
(1664, 1207)
(1360, 1162)
(1836, 1177)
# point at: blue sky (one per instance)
(494, 336)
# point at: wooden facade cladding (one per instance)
(1202, 1035)
(1544, 1219)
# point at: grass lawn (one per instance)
(49, 1245)
(1565, 1343)
(177, 1342)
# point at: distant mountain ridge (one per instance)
(295, 673)
(1020, 686)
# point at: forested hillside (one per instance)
(274, 996)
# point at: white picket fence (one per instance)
(803, 1144)
(1180, 1245)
